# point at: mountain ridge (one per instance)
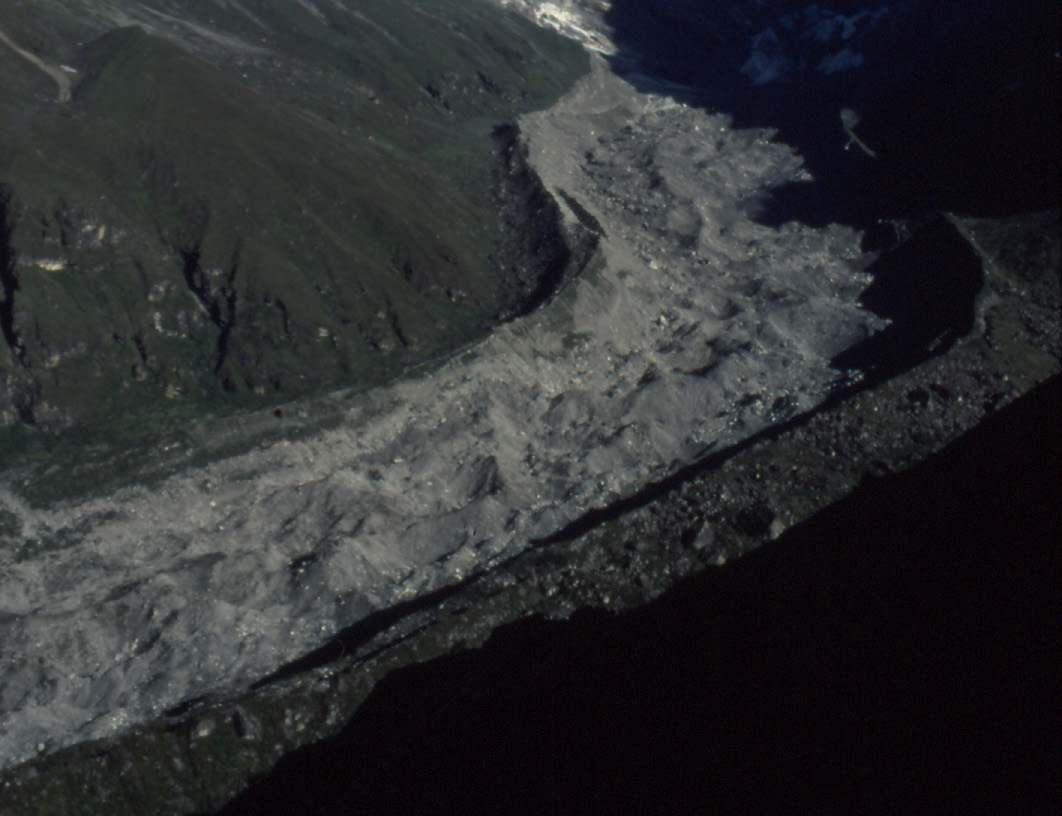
(206, 236)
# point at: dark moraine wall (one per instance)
(890, 655)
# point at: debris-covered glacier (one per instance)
(695, 327)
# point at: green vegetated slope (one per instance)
(247, 202)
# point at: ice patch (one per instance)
(50, 264)
(579, 20)
(813, 36)
(843, 60)
(824, 25)
(762, 69)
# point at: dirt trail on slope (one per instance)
(56, 73)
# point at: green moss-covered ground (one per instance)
(216, 224)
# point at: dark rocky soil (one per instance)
(890, 654)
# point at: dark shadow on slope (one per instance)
(890, 655)
(361, 634)
(536, 252)
(960, 101)
(9, 283)
(927, 287)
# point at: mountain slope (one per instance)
(209, 219)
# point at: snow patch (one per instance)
(50, 264)
(813, 36)
(579, 20)
(843, 60)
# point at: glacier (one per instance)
(694, 328)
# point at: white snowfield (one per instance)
(781, 48)
(581, 20)
(697, 328)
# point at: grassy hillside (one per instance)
(214, 223)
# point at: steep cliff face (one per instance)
(231, 208)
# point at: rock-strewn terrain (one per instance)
(729, 361)
(694, 329)
(200, 756)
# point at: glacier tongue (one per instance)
(696, 328)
